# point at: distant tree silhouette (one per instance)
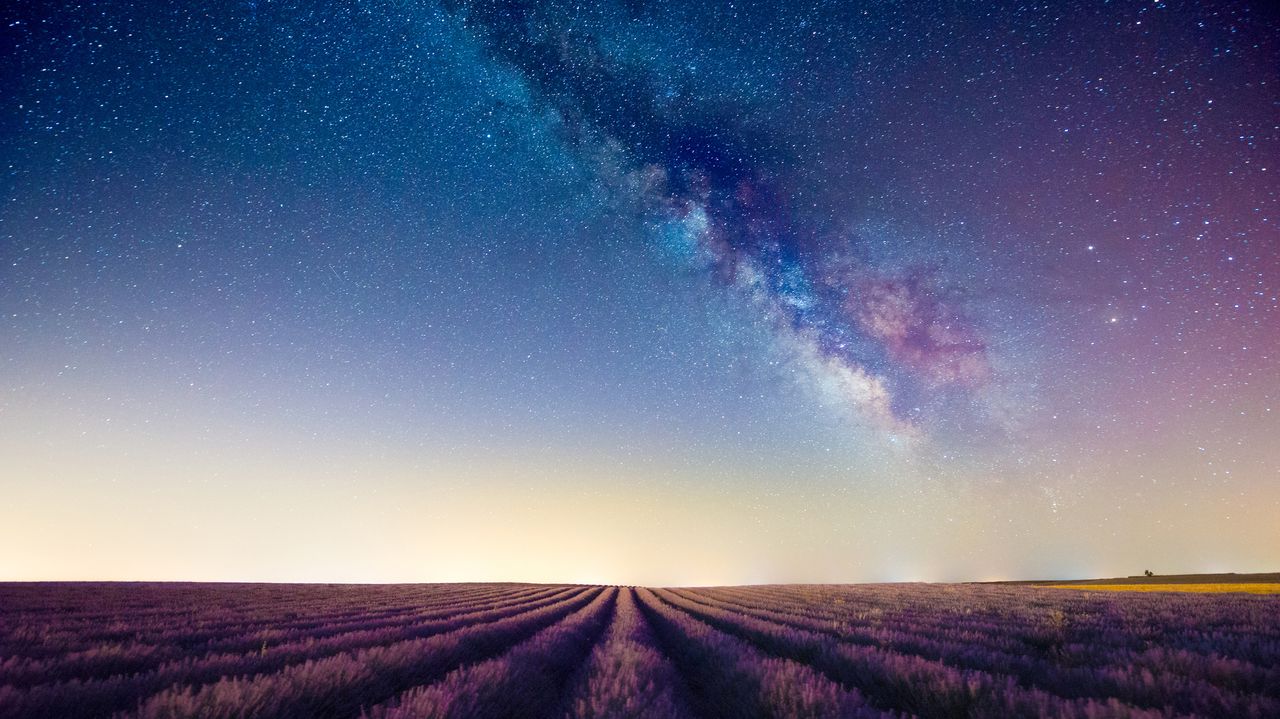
(1148, 572)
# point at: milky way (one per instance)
(711, 178)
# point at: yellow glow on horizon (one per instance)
(182, 507)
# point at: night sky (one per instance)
(645, 292)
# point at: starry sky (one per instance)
(642, 292)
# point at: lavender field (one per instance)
(512, 650)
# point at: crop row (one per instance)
(626, 674)
(526, 681)
(1230, 641)
(194, 675)
(178, 646)
(190, 617)
(342, 685)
